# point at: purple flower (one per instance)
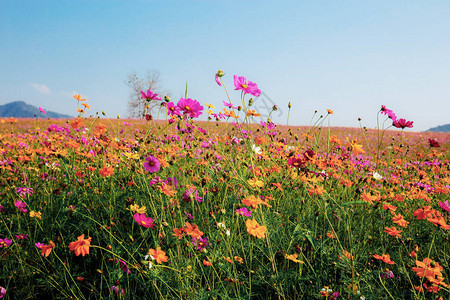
(5, 242)
(172, 181)
(155, 181)
(387, 274)
(217, 80)
(115, 290)
(445, 205)
(244, 212)
(191, 194)
(200, 243)
(21, 206)
(152, 164)
(123, 265)
(21, 236)
(149, 95)
(240, 83)
(191, 108)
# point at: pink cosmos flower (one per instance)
(240, 83)
(151, 164)
(149, 95)
(172, 109)
(402, 123)
(229, 105)
(388, 112)
(191, 108)
(42, 110)
(143, 220)
(445, 205)
(2, 292)
(218, 81)
(21, 206)
(5, 242)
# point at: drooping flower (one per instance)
(218, 75)
(149, 95)
(191, 194)
(190, 108)
(158, 255)
(122, 265)
(255, 229)
(402, 123)
(151, 164)
(388, 112)
(143, 220)
(240, 83)
(81, 245)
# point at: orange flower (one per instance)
(158, 255)
(193, 230)
(77, 123)
(255, 229)
(293, 257)
(316, 190)
(87, 106)
(179, 233)
(427, 268)
(46, 249)
(423, 213)
(78, 97)
(252, 201)
(398, 219)
(347, 255)
(393, 231)
(330, 111)
(207, 263)
(81, 245)
(385, 258)
(252, 113)
(106, 171)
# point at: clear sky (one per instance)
(348, 56)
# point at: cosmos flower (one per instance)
(149, 95)
(158, 255)
(143, 220)
(244, 212)
(433, 143)
(81, 245)
(190, 108)
(255, 229)
(151, 164)
(402, 123)
(240, 83)
(42, 110)
(172, 109)
(445, 205)
(388, 113)
(5, 242)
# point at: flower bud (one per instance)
(250, 102)
(220, 73)
(167, 98)
(289, 105)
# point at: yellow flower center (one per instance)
(143, 223)
(244, 86)
(187, 107)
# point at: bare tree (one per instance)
(136, 105)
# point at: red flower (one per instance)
(402, 123)
(433, 143)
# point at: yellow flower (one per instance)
(34, 214)
(293, 257)
(210, 105)
(136, 209)
(255, 182)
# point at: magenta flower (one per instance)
(115, 290)
(229, 105)
(42, 110)
(21, 236)
(172, 109)
(149, 95)
(200, 243)
(191, 108)
(122, 265)
(402, 123)
(218, 81)
(23, 191)
(143, 220)
(2, 292)
(2, 208)
(388, 113)
(191, 194)
(240, 83)
(433, 143)
(244, 212)
(5, 242)
(152, 164)
(39, 245)
(445, 205)
(21, 206)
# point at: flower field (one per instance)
(233, 207)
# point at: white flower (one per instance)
(256, 149)
(377, 176)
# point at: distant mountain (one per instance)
(442, 128)
(20, 109)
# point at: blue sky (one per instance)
(349, 56)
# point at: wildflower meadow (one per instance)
(238, 207)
